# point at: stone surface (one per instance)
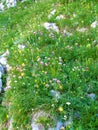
(3, 60)
(0, 83)
(51, 26)
(82, 30)
(11, 3)
(1, 7)
(1, 69)
(10, 124)
(92, 96)
(55, 94)
(68, 122)
(59, 125)
(36, 116)
(94, 24)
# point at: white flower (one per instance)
(94, 24)
(1, 7)
(60, 17)
(65, 117)
(51, 13)
(51, 26)
(74, 15)
(21, 46)
(68, 103)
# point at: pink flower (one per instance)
(58, 81)
(47, 85)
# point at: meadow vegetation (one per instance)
(45, 61)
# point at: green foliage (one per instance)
(65, 63)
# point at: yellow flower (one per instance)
(7, 116)
(22, 74)
(60, 109)
(61, 87)
(23, 64)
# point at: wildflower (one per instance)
(54, 79)
(21, 47)
(8, 87)
(50, 81)
(60, 17)
(38, 59)
(46, 64)
(94, 24)
(60, 109)
(60, 63)
(42, 63)
(52, 105)
(47, 85)
(45, 72)
(58, 81)
(51, 13)
(7, 116)
(15, 81)
(60, 87)
(23, 64)
(74, 15)
(65, 117)
(22, 74)
(68, 103)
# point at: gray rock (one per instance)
(68, 122)
(92, 96)
(10, 124)
(1, 7)
(55, 94)
(1, 69)
(0, 83)
(36, 116)
(52, 129)
(59, 125)
(3, 60)
(77, 115)
(11, 3)
(51, 26)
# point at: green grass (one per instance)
(72, 60)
